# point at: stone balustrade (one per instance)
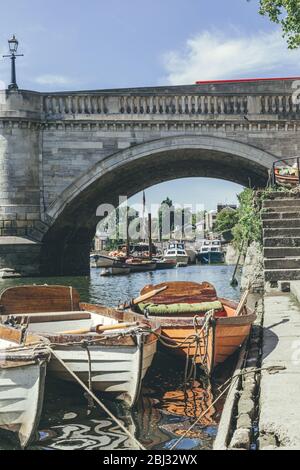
(278, 104)
(198, 105)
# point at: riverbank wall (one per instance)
(262, 408)
(253, 269)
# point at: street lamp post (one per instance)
(13, 47)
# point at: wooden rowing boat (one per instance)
(120, 269)
(187, 329)
(22, 379)
(119, 357)
(165, 264)
(139, 265)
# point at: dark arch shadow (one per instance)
(66, 245)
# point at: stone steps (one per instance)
(281, 237)
(275, 275)
(275, 209)
(267, 203)
(281, 252)
(280, 242)
(282, 263)
(276, 195)
(279, 215)
(281, 232)
(281, 223)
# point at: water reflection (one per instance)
(163, 414)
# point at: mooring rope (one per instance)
(229, 383)
(90, 401)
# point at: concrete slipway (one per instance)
(262, 410)
(279, 417)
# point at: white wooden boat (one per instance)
(119, 359)
(118, 270)
(102, 261)
(22, 379)
(211, 252)
(7, 273)
(176, 252)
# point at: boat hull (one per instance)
(226, 339)
(21, 399)
(211, 257)
(115, 271)
(165, 265)
(216, 344)
(115, 370)
(178, 259)
(103, 261)
(141, 267)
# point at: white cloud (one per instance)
(211, 55)
(2, 85)
(53, 80)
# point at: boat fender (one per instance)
(146, 313)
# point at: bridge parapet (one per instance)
(153, 106)
(97, 104)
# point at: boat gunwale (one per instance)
(15, 335)
(122, 339)
(126, 316)
(177, 322)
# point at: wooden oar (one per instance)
(99, 329)
(242, 303)
(143, 297)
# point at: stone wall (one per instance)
(253, 269)
(20, 149)
(232, 255)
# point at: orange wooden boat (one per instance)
(195, 322)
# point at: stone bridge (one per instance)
(62, 154)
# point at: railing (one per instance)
(286, 172)
(198, 105)
(278, 105)
(144, 105)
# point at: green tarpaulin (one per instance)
(175, 309)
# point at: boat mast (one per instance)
(127, 233)
(150, 235)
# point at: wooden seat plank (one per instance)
(38, 299)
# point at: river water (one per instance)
(164, 410)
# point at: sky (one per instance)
(96, 44)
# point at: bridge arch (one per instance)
(72, 216)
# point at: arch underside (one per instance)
(68, 240)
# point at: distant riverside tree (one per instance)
(166, 213)
(225, 221)
(286, 13)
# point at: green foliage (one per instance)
(287, 14)
(225, 221)
(249, 226)
(166, 210)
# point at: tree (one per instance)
(225, 221)
(249, 226)
(287, 14)
(166, 217)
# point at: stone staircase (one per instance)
(281, 237)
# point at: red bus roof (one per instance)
(240, 80)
